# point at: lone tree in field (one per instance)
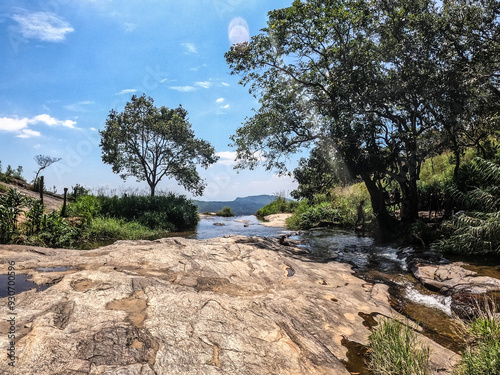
(43, 162)
(150, 143)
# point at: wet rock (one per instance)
(232, 305)
(453, 279)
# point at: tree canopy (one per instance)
(385, 82)
(150, 143)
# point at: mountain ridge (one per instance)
(240, 206)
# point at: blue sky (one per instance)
(66, 63)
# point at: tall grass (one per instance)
(395, 350)
(482, 355)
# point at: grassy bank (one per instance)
(90, 219)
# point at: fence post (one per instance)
(63, 211)
(41, 188)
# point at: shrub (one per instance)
(278, 206)
(225, 212)
(106, 229)
(160, 212)
(483, 355)
(396, 351)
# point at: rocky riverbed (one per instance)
(231, 305)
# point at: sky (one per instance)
(66, 63)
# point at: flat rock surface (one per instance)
(275, 220)
(235, 305)
(453, 278)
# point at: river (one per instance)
(370, 261)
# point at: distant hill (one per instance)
(240, 206)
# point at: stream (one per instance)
(372, 262)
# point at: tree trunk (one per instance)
(409, 200)
(152, 187)
(385, 221)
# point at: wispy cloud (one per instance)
(220, 100)
(204, 84)
(190, 47)
(20, 126)
(43, 26)
(126, 91)
(225, 84)
(183, 88)
(80, 106)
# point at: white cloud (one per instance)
(226, 106)
(93, 129)
(126, 91)
(204, 84)
(190, 47)
(226, 157)
(13, 124)
(183, 88)
(21, 125)
(220, 100)
(225, 84)
(43, 26)
(28, 133)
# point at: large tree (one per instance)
(150, 143)
(369, 78)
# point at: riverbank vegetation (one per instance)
(482, 354)
(93, 219)
(379, 88)
(395, 350)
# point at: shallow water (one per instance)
(241, 225)
(20, 284)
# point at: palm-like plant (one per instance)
(477, 229)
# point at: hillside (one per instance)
(240, 206)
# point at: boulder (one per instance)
(233, 305)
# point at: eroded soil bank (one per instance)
(232, 305)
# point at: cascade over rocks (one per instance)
(233, 305)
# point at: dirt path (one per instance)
(52, 202)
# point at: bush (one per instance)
(339, 208)
(225, 212)
(483, 355)
(169, 212)
(278, 206)
(396, 351)
(109, 229)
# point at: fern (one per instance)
(478, 229)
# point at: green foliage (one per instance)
(339, 208)
(149, 143)
(11, 207)
(55, 231)
(278, 206)
(225, 212)
(384, 83)
(168, 212)
(109, 229)
(476, 230)
(482, 356)
(395, 350)
(86, 207)
(319, 173)
(78, 191)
